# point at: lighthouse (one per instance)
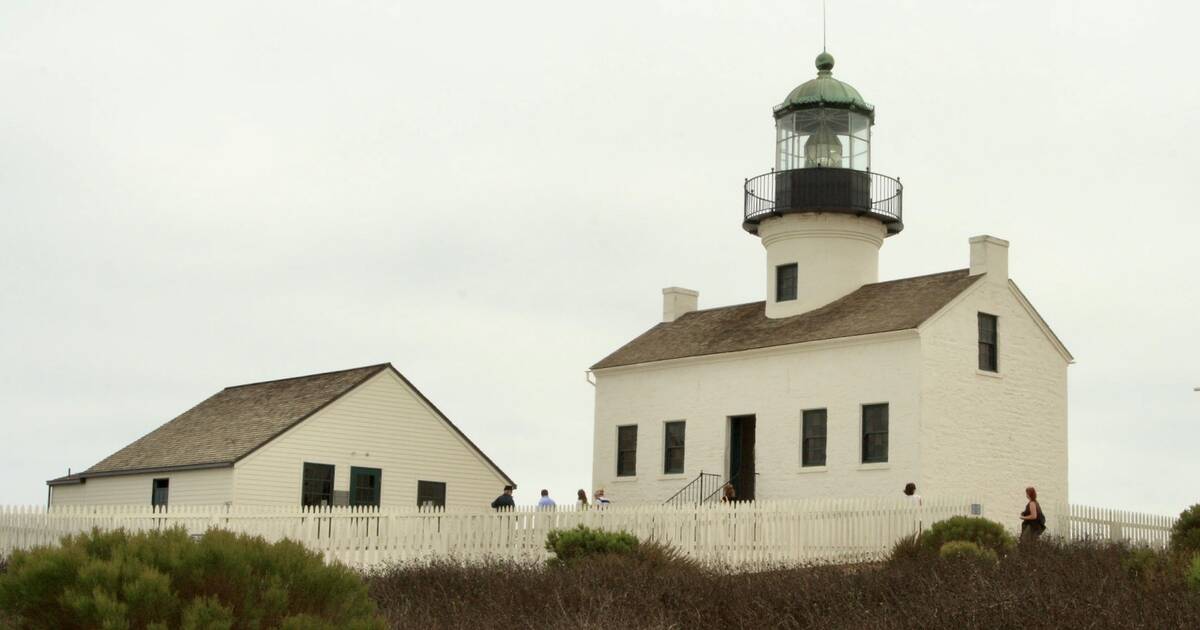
(822, 213)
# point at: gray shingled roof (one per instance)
(237, 420)
(873, 308)
(233, 422)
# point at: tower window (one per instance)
(989, 359)
(785, 282)
(874, 434)
(812, 440)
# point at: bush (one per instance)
(987, 534)
(164, 579)
(1056, 585)
(1185, 534)
(1193, 573)
(965, 550)
(1142, 562)
(569, 545)
(909, 549)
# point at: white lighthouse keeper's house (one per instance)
(838, 384)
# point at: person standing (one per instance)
(581, 499)
(914, 501)
(1033, 519)
(504, 501)
(910, 493)
(546, 503)
(601, 500)
(728, 493)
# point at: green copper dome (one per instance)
(825, 91)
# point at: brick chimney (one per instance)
(677, 301)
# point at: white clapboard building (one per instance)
(838, 384)
(364, 436)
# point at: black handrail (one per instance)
(696, 490)
(840, 190)
(721, 487)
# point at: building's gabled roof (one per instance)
(238, 420)
(873, 308)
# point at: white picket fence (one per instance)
(1081, 522)
(739, 534)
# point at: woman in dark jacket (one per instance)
(1033, 519)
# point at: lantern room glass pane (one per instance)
(823, 137)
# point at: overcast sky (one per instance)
(491, 196)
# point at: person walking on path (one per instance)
(1033, 519)
(910, 493)
(581, 499)
(504, 501)
(600, 499)
(546, 503)
(728, 494)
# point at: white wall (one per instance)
(991, 435)
(210, 486)
(775, 385)
(835, 255)
(381, 424)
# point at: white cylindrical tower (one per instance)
(821, 213)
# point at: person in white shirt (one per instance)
(910, 492)
(599, 499)
(914, 501)
(546, 503)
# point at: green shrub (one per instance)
(1193, 573)
(909, 549)
(164, 579)
(1142, 562)
(987, 534)
(1185, 534)
(569, 545)
(966, 550)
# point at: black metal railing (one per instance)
(718, 494)
(696, 491)
(841, 190)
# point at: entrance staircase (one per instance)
(705, 488)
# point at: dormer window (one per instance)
(785, 282)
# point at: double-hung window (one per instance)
(874, 434)
(160, 492)
(365, 486)
(989, 358)
(431, 493)
(627, 451)
(812, 437)
(673, 440)
(317, 484)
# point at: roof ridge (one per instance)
(925, 275)
(718, 308)
(900, 304)
(870, 284)
(377, 366)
